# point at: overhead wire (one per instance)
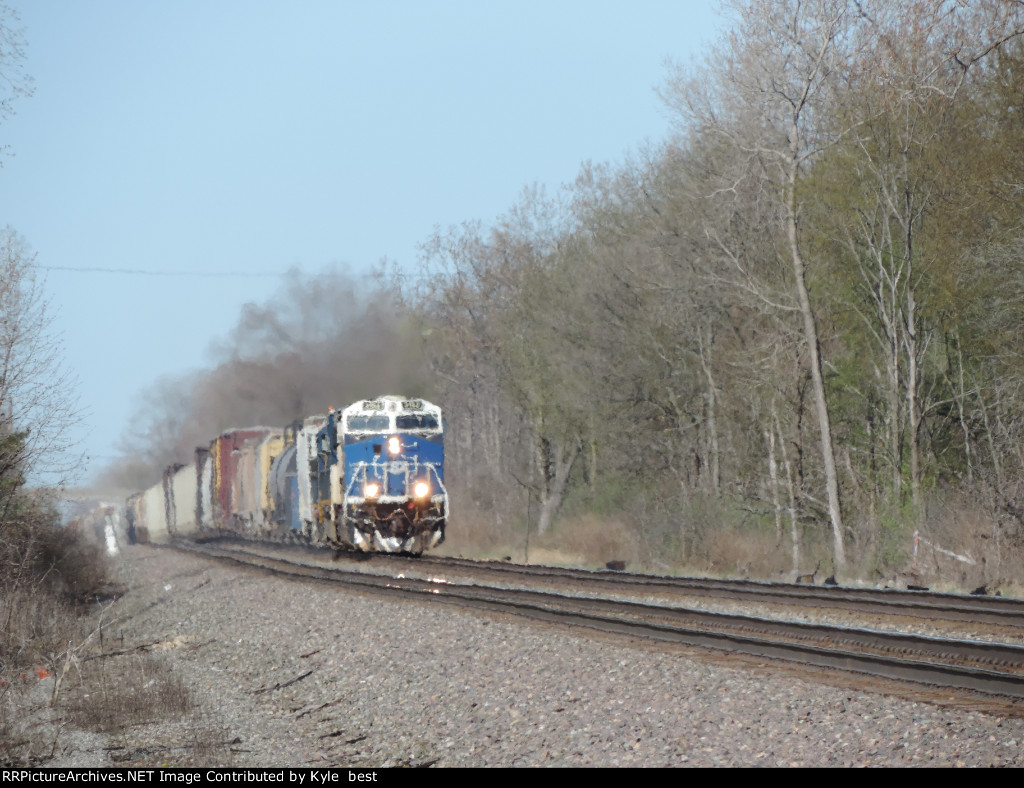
(142, 272)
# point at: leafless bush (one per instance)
(75, 566)
(47, 573)
(34, 625)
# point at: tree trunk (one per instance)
(773, 477)
(555, 466)
(711, 398)
(794, 530)
(828, 456)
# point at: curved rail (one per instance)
(991, 668)
(1001, 611)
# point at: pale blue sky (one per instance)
(246, 136)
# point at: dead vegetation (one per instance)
(114, 695)
(957, 548)
(65, 685)
(128, 698)
(124, 710)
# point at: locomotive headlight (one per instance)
(421, 489)
(394, 445)
(371, 490)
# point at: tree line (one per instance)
(804, 307)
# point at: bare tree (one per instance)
(765, 95)
(501, 308)
(37, 393)
(896, 189)
(14, 83)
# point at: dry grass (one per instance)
(47, 572)
(113, 695)
(743, 552)
(699, 537)
(129, 697)
(52, 692)
(588, 541)
(34, 626)
(475, 533)
(708, 536)
(581, 541)
(962, 549)
(139, 706)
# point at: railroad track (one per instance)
(1002, 617)
(925, 605)
(991, 668)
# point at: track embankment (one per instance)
(287, 672)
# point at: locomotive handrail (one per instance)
(359, 475)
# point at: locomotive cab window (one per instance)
(416, 421)
(377, 422)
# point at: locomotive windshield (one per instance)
(377, 422)
(416, 421)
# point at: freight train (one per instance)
(368, 478)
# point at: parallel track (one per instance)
(999, 611)
(995, 669)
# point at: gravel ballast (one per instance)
(287, 673)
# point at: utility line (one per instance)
(141, 272)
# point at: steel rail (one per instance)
(931, 605)
(991, 668)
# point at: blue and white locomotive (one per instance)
(380, 476)
(367, 478)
